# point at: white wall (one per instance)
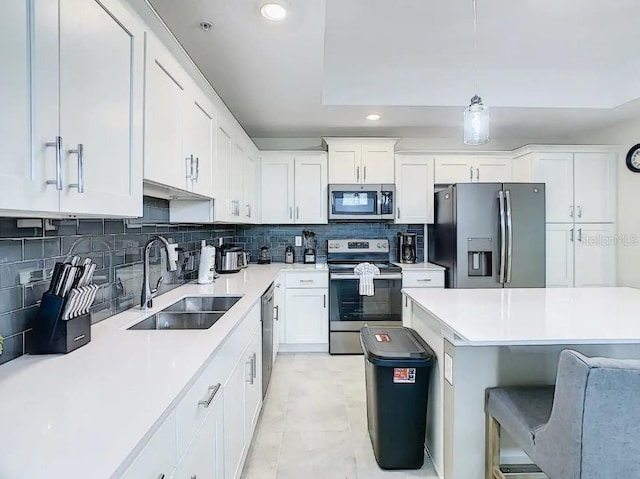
(624, 135)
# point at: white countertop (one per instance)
(64, 415)
(424, 266)
(481, 317)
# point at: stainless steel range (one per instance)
(348, 310)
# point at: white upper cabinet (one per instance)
(472, 169)
(198, 144)
(580, 185)
(101, 90)
(222, 176)
(277, 188)
(294, 188)
(595, 192)
(249, 209)
(24, 173)
(356, 160)
(78, 68)
(236, 182)
(414, 189)
(311, 189)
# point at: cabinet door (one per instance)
(377, 164)
(249, 190)
(595, 263)
(158, 458)
(454, 170)
(307, 318)
(279, 314)
(199, 128)
(345, 163)
(414, 190)
(490, 170)
(311, 194)
(101, 107)
(165, 91)
(560, 255)
(236, 181)
(277, 189)
(23, 172)
(224, 150)
(556, 171)
(204, 459)
(595, 187)
(253, 383)
(234, 413)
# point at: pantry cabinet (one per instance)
(78, 69)
(414, 189)
(294, 188)
(472, 169)
(357, 160)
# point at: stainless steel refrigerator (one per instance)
(490, 235)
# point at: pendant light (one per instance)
(476, 116)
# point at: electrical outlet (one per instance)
(298, 240)
(220, 241)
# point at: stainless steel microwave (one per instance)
(361, 202)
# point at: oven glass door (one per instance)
(346, 304)
(354, 203)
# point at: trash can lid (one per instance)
(385, 345)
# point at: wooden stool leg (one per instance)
(492, 446)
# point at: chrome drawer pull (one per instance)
(58, 146)
(424, 280)
(213, 390)
(80, 183)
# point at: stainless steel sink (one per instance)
(178, 320)
(204, 304)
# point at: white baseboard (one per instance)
(303, 348)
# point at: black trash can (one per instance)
(397, 368)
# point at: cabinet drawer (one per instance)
(423, 279)
(194, 407)
(307, 280)
(158, 458)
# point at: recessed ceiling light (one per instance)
(206, 26)
(373, 117)
(274, 11)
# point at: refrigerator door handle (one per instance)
(509, 235)
(503, 236)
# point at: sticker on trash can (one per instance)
(383, 338)
(404, 375)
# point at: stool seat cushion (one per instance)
(521, 411)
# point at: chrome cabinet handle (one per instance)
(290, 212)
(424, 280)
(254, 361)
(571, 237)
(471, 173)
(297, 212)
(194, 477)
(276, 310)
(248, 210)
(398, 213)
(58, 146)
(80, 152)
(189, 160)
(571, 211)
(213, 390)
(161, 476)
(579, 211)
(580, 234)
(477, 174)
(358, 173)
(365, 173)
(250, 363)
(307, 280)
(406, 301)
(324, 301)
(197, 169)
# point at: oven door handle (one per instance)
(338, 276)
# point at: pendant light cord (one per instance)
(475, 40)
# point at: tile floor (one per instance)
(314, 423)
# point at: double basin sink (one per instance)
(195, 312)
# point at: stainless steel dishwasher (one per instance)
(267, 338)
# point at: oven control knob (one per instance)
(380, 245)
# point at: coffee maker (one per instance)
(407, 250)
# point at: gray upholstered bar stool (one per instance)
(588, 428)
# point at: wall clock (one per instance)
(633, 159)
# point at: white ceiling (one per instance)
(549, 69)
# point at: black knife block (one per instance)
(52, 335)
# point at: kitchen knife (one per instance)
(68, 283)
(62, 279)
(55, 277)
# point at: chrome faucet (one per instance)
(146, 299)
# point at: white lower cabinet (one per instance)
(581, 255)
(204, 458)
(279, 314)
(253, 383)
(234, 432)
(307, 316)
(158, 458)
